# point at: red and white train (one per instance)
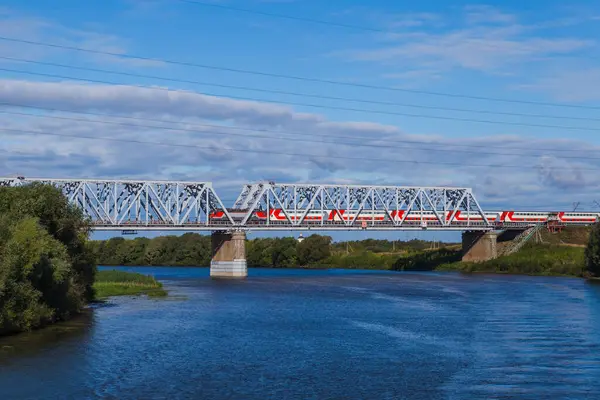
(454, 217)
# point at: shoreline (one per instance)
(449, 270)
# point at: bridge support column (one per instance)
(479, 246)
(228, 255)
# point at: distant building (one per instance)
(300, 238)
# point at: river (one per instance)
(301, 334)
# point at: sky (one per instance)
(500, 96)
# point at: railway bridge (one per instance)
(130, 206)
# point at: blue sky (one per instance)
(530, 51)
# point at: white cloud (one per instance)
(486, 14)
(483, 39)
(571, 83)
(205, 154)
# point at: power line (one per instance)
(292, 77)
(304, 155)
(319, 22)
(278, 132)
(424, 116)
(310, 95)
(284, 16)
(513, 207)
(170, 128)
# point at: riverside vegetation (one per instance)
(119, 283)
(560, 254)
(47, 267)
(315, 251)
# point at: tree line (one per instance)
(318, 251)
(192, 249)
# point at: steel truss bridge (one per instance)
(131, 205)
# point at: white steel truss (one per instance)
(314, 206)
(163, 205)
(114, 204)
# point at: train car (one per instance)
(524, 217)
(460, 217)
(332, 216)
(576, 218)
(463, 217)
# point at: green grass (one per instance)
(532, 259)
(119, 283)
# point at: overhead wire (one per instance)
(304, 155)
(221, 6)
(252, 99)
(284, 92)
(245, 135)
(333, 98)
(291, 77)
(320, 106)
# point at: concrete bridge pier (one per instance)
(228, 255)
(479, 246)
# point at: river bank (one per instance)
(533, 259)
(120, 283)
(557, 254)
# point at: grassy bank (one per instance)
(532, 259)
(119, 283)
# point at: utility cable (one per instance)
(292, 77)
(303, 155)
(310, 95)
(319, 106)
(314, 21)
(292, 133)
(306, 140)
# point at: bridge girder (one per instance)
(296, 201)
(122, 204)
(166, 205)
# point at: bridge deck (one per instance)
(195, 206)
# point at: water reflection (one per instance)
(76, 330)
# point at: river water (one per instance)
(294, 334)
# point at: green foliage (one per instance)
(190, 249)
(592, 252)
(47, 268)
(427, 260)
(120, 283)
(121, 276)
(532, 259)
(382, 246)
(313, 249)
(360, 260)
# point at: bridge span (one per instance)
(134, 205)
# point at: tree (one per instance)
(61, 220)
(313, 249)
(47, 266)
(283, 253)
(592, 252)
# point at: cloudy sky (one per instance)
(500, 97)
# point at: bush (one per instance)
(532, 259)
(592, 253)
(47, 268)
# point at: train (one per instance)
(458, 217)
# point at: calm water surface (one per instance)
(292, 334)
